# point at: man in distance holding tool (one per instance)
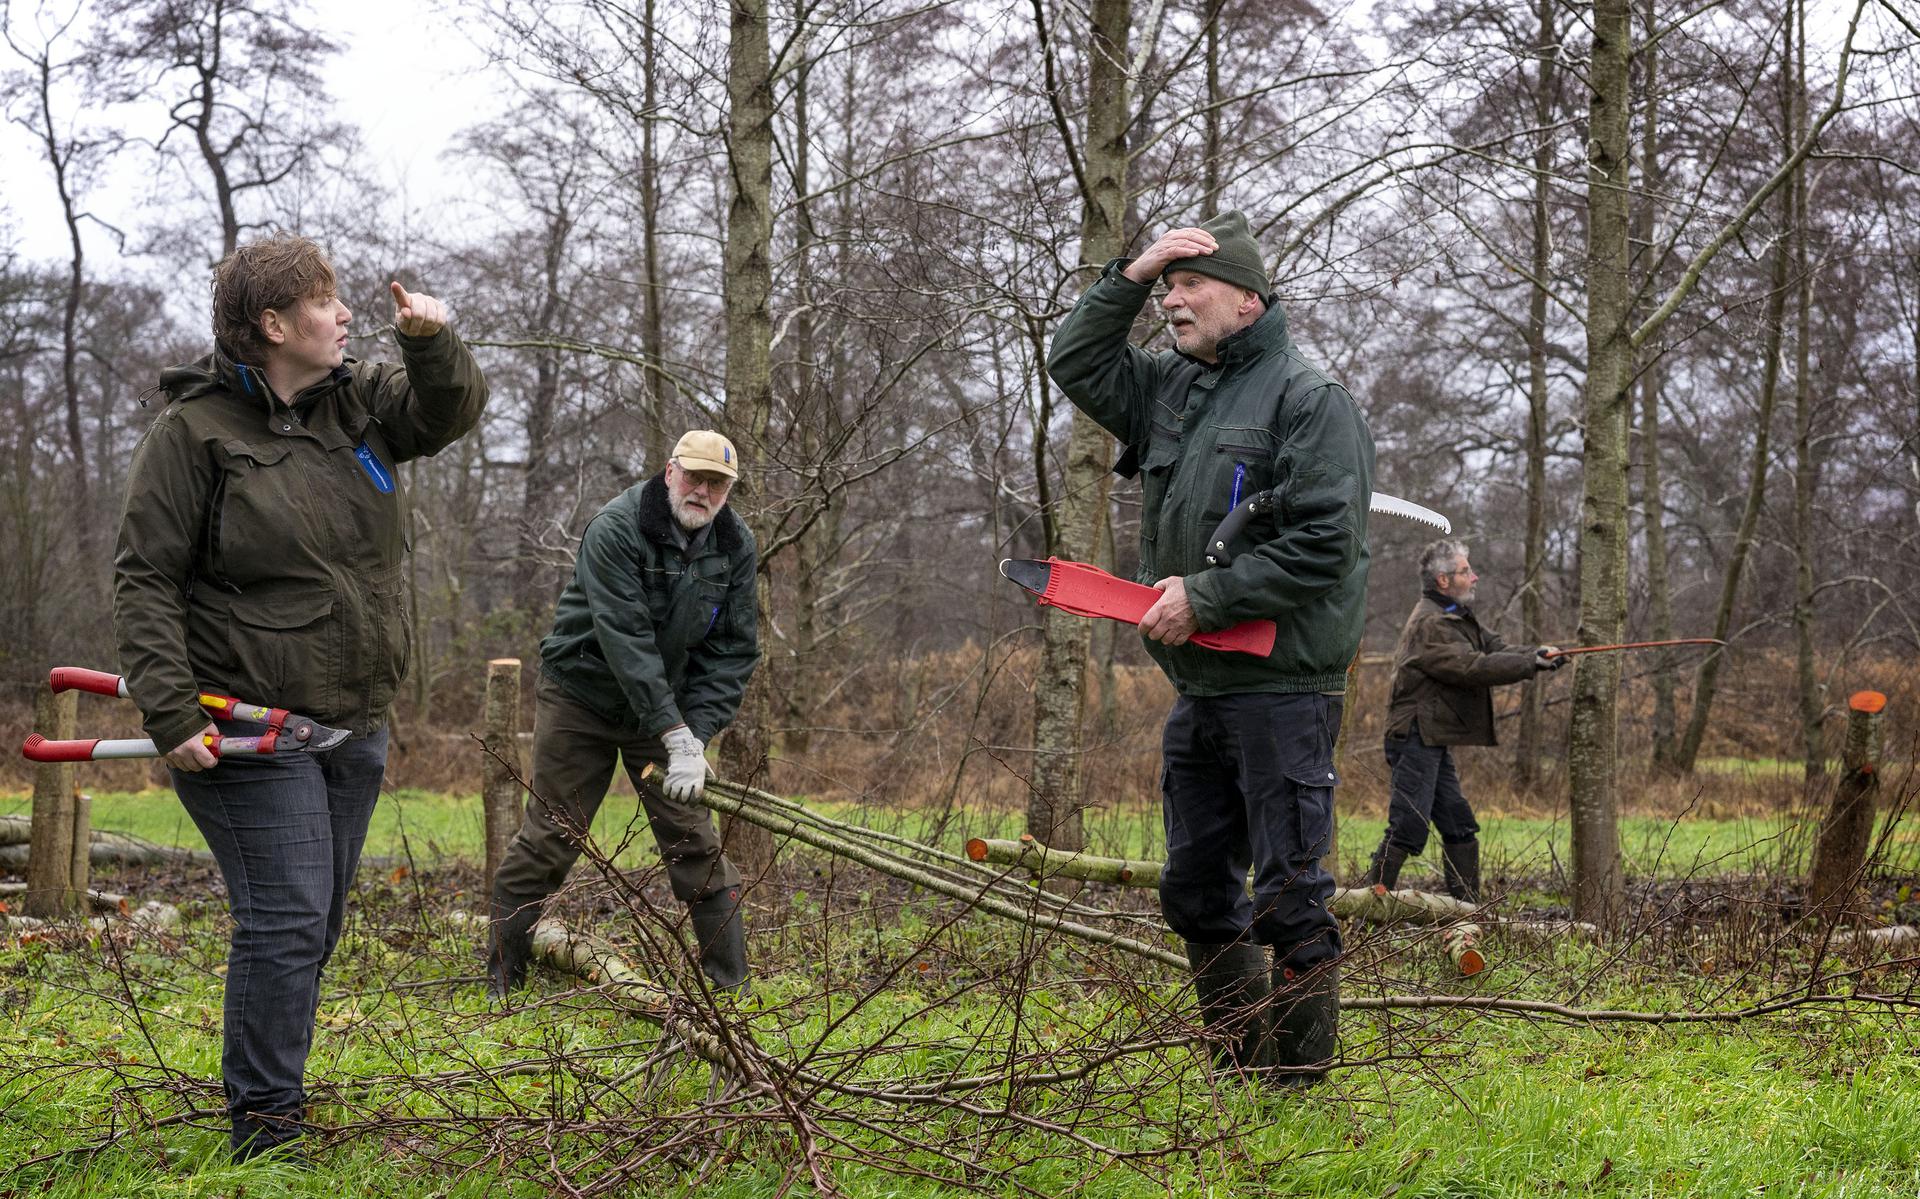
(1444, 670)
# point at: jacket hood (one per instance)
(656, 518)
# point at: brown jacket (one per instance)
(1443, 672)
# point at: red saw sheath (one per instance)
(1089, 591)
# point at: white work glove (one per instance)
(686, 763)
(1547, 658)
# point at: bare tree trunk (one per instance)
(1592, 752)
(653, 338)
(1706, 679)
(1528, 746)
(747, 288)
(1212, 185)
(532, 578)
(813, 551)
(1059, 694)
(1652, 495)
(501, 808)
(1805, 468)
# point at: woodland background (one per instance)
(1632, 294)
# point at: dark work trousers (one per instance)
(574, 750)
(1425, 789)
(286, 830)
(1248, 782)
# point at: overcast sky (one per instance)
(407, 76)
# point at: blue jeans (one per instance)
(1248, 783)
(287, 830)
(1426, 789)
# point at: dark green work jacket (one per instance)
(1208, 436)
(262, 546)
(657, 628)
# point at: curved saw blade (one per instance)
(1393, 505)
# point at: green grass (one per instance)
(1812, 1103)
(432, 828)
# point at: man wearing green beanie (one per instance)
(1233, 410)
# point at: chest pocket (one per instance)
(254, 500)
(1243, 466)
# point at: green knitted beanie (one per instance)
(1237, 260)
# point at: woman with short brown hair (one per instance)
(261, 555)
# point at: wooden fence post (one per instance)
(1846, 832)
(80, 877)
(500, 791)
(50, 854)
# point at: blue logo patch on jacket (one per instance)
(376, 470)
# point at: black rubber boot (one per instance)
(1385, 871)
(281, 1135)
(1305, 1025)
(1230, 982)
(722, 937)
(1461, 862)
(510, 947)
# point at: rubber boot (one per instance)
(1461, 863)
(510, 947)
(1305, 1024)
(723, 940)
(1230, 982)
(1384, 873)
(282, 1135)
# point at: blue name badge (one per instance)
(376, 470)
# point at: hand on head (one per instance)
(1171, 246)
(415, 313)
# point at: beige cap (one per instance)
(703, 449)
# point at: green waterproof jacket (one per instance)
(1209, 436)
(1444, 669)
(261, 548)
(657, 627)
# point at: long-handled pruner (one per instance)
(286, 731)
(1608, 649)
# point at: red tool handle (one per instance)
(39, 749)
(79, 678)
(1086, 590)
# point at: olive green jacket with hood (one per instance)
(657, 627)
(1208, 436)
(262, 546)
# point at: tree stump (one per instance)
(500, 801)
(50, 858)
(1846, 832)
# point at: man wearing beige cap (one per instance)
(652, 645)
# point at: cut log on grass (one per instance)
(1877, 938)
(980, 897)
(1028, 854)
(152, 915)
(103, 848)
(1462, 943)
(598, 962)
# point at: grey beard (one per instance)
(690, 520)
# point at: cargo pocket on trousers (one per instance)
(1313, 809)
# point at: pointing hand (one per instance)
(417, 314)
